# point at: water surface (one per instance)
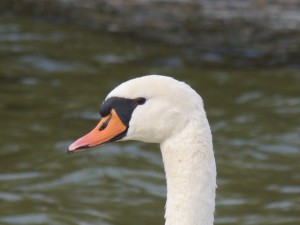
(52, 79)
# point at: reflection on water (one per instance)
(52, 79)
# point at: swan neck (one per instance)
(191, 176)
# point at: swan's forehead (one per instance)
(147, 86)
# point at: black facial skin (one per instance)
(124, 108)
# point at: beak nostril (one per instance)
(104, 125)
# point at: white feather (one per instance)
(174, 117)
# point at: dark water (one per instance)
(52, 79)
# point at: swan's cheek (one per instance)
(142, 126)
(143, 133)
(151, 125)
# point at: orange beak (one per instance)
(107, 129)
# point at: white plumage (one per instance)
(174, 117)
(160, 109)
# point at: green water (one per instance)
(52, 79)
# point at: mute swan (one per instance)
(160, 109)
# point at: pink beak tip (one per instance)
(77, 145)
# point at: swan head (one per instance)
(150, 109)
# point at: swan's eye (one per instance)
(140, 101)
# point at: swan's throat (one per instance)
(191, 177)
